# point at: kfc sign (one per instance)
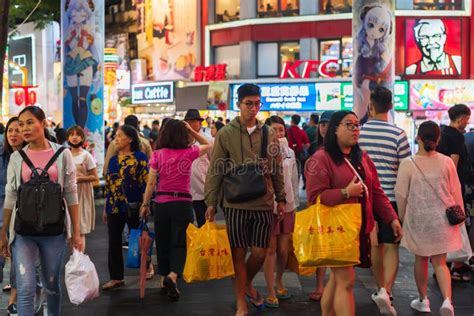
(323, 68)
(210, 73)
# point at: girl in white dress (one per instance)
(427, 184)
(86, 176)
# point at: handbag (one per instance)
(133, 208)
(455, 213)
(301, 155)
(246, 182)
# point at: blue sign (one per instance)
(156, 92)
(299, 97)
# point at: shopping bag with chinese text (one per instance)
(328, 236)
(208, 255)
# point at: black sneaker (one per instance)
(12, 311)
(462, 274)
(125, 245)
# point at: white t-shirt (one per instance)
(250, 130)
(86, 159)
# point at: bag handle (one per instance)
(53, 159)
(357, 175)
(426, 180)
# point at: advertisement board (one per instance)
(323, 96)
(433, 47)
(21, 53)
(155, 92)
(434, 95)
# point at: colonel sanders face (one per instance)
(431, 38)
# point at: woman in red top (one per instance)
(331, 177)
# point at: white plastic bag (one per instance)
(82, 282)
(463, 254)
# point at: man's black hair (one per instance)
(247, 90)
(296, 119)
(381, 100)
(132, 121)
(457, 111)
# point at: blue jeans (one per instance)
(51, 251)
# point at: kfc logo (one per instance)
(325, 69)
(437, 46)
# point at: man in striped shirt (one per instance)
(386, 145)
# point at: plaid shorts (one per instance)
(248, 228)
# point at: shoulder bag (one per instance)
(246, 182)
(455, 214)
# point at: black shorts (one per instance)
(248, 228)
(385, 234)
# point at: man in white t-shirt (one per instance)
(199, 169)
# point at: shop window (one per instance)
(273, 8)
(340, 49)
(335, 6)
(227, 10)
(229, 55)
(430, 4)
(271, 56)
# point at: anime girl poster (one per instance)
(82, 58)
(373, 33)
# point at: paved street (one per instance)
(216, 297)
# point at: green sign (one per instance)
(400, 96)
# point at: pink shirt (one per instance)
(39, 159)
(174, 171)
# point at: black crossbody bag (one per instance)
(246, 182)
(455, 214)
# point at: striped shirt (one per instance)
(386, 145)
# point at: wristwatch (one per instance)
(345, 194)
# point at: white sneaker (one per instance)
(422, 306)
(447, 308)
(382, 299)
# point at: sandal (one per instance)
(113, 284)
(315, 296)
(257, 301)
(173, 293)
(283, 294)
(272, 302)
(7, 288)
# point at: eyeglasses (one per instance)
(351, 126)
(425, 39)
(250, 104)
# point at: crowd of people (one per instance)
(180, 172)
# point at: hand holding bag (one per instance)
(246, 182)
(455, 213)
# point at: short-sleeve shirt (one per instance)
(452, 143)
(173, 167)
(39, 158)
(297, 138)
(86, 159)
(386, 145)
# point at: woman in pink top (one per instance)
(173, 209)
(332, 176)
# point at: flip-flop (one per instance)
(272, 302)
(173, 293)
(7, 288)
(254, 301)
(283, 294)
(106, 287)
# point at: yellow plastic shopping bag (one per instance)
(293, 265)
(328, 236)
(208, 254)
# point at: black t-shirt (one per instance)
(452, 143)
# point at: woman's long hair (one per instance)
(331, 145)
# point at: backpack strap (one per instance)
(53, 159)
(264, 141)
(28, 162)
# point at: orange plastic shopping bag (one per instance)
(328, 236)
(208, 255)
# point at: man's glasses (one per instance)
(250, 104)
(351, 126)
(425, 39)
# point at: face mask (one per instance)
(75, 145)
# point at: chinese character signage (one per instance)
(210, 73)
(167, 38)
(82, 26)
(373, 33)
(157, 92)
(440, 94)
(433, 47)
(284, 97)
